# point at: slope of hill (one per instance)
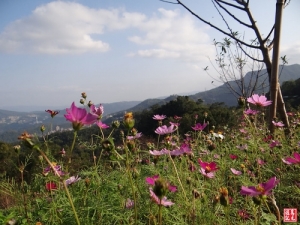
(223, 94)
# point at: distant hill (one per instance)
(13, 123)
(223, 94)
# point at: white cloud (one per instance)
(67, 28)
(170, 34)
(292, 52)
(64, 27)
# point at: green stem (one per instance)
(178, 177)
(72, 147)
(159, 213)
(131, 182)
(64, 183)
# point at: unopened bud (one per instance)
(90, 103)
(43, 128)
(83, 95)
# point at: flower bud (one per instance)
(115, 124)
(90, 103)
(83, 95)
(128, 121)
(81, 101)
(241, 101)
(224, 200)
(43, 128)
(108, 144)
(160, 188)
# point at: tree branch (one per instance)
(217, 28)
(232, 5)
(271, 31)
(175, 3)
(241, 22)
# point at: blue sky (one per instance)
(116, 50)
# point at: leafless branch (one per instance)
(232, 5)
(217, 28)
(271, 31)
(175, 3)
(241, 22)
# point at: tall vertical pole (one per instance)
(275, 63)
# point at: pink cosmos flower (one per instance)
(278, 124)
(151, 181)
(184, 149)
(261, 162)
(57, 171)
(138, 135)
(290, 160)
(235, 172)
(260, 189)
(129, 203)
(101, 125)
(251, 112)
(274, 143)
(163, 201)
(97, 110)
(243, 131)
(159, 117)
(165, 130)
(233, 157)
(260, 101)
(72, 180)
(79, 117)
(199, 126)
(52, 112)
(208, 169)
(175, 124)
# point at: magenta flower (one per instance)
(251, 112)
(165, 130)
(97, 110)
(235, 172)
(260, 101)
(233, 157)
(129, 203)
(274, 143)
(163, 201)
(101, 125)
(261, 162)
(57, 169)
(79, 117)
(290, 160)
(261, 189)
(72, 180)
(199, 126)
(159, 117)
(52, 112)
(151, 181)
(138, 135)
(208, 169)
(184, 149)
(175, 124)
(278, 124)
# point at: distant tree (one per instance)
(263, 44)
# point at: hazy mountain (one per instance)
(223, 94)
(12, 123)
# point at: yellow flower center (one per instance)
(260, 188)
